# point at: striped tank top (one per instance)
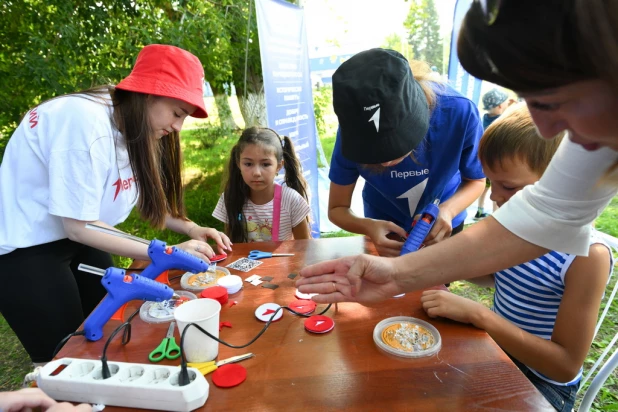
(529, 295)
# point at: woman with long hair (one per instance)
(90, 157)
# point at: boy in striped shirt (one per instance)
(545, 310)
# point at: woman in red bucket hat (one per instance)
(90, 157)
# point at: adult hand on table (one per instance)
(362, 278)
(27, 399)
(378, 231)
(204, 233)
(442, 228)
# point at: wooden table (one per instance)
(343, 369)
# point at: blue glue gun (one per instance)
(170, 257)
(122, 288)
(421, 229)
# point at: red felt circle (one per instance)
(319, 324)
(302, 306)
(229, 375)
(218, 258)
(218, 293)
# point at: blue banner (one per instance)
(461, 80)
(287, 86)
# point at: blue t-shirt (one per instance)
(448, 153)
(488, 120)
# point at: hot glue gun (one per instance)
(121, 288)
(421, 228)
(170, 257)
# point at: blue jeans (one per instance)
(562, 398)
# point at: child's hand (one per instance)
(448, 305)
(220, 238)
(378, 231)
(441, 229)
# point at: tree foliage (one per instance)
(395, 42)
(424, 32)
(52, 47)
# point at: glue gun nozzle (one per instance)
(175, 296)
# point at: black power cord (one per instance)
(183, 377)
(126, 338)
(65, 340)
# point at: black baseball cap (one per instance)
(382, 110)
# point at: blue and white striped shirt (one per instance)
(529, 295)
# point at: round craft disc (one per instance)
(303, 307)
(304, 296)
(161, 312)
(230, 282)
(319, 324)
(265, 312)
(218, 293)
(218, 258)
(229, 375)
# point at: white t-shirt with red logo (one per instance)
(66, 159)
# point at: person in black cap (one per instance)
(413, 141)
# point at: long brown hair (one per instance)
(156, 164)
(236, 190)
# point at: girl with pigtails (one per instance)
(253, 207)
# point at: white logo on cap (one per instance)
(376, 117)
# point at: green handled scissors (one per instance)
(167, 348)
(258, 254)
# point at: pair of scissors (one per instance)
(206, 367)
(258, 254)
(167, 348)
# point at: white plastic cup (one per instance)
(197, 346)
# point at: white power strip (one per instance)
(133, 385)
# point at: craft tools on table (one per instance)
(258, 254)
(121, 288)
(132, 385)
(168, 348)
(422, 228)
(163, 312)
(407, 337)
(197, 282)
(163, 257)
(206, 367)
(244, 264)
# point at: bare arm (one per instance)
(302, 230)
(339, 212)
(561, 357)
(77, 232)
(466, 194)
(485, 247)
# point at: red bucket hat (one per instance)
(170, 72)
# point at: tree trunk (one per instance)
(253, 108)
(226, 119)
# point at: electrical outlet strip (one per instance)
(134, 385)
